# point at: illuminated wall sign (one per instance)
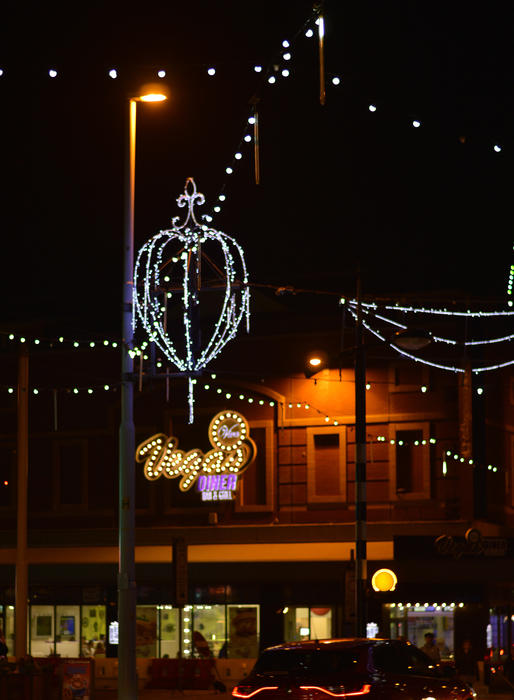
(217, 487)
(216, 471)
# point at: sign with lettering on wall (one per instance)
(216, 472)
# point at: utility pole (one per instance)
(360, 475)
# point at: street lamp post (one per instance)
(127, 677)
(360, 478)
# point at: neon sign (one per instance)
(216, 471)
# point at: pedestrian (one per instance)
(466, 663)
(430, 647)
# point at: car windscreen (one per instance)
(317, 662)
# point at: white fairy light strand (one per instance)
(148, 285)
(438, 339)
(436, 365)
(61, 341)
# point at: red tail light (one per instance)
(363, 691)
(241, 691)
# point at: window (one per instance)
(255, 489)
(67, 633)
(401, 658)
(307, 623)
(146, 631)
(409, 460)
(42, 641)
(326, 465)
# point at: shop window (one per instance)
(67, 631)
(168, 631)
(413, 622)
(93, 630)
(70, 469)
(42, 642)
(326, 465)
(9, 628)
(409, 461)
(255, 490)
(146, 631)
(243, 636)
(208, 630)
(307, 623)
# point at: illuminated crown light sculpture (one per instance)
(169, 268)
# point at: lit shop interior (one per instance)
(412, 621)
(218, 631)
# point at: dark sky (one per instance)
(421, 210)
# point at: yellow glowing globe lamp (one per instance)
(384, 580)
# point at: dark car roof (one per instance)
(344, 643)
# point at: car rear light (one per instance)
(247, 691)
(334, 692)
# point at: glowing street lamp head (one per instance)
(151, 92)
(153, 97)
(315, 362)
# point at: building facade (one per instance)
(270, 555)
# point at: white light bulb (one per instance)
(222, 198)
(336, 80)
(1, 71)
(161, 73)
(497, 148)
(229, 171)
(285, 73)
(217, 209)
(251, 120)
(286, 56)
(372, 108)
(285, 44)
(272, 79)
(211, 71)
(309, 33)
(52, 73)
(257, 69)
(416, 123)
(247, 138)
(238, 156)
(113, 73)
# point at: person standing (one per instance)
(430, 648)
(466, 663)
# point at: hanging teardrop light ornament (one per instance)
(172, 270)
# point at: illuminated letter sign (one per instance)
(216, 471)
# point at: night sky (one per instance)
(420, 210)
